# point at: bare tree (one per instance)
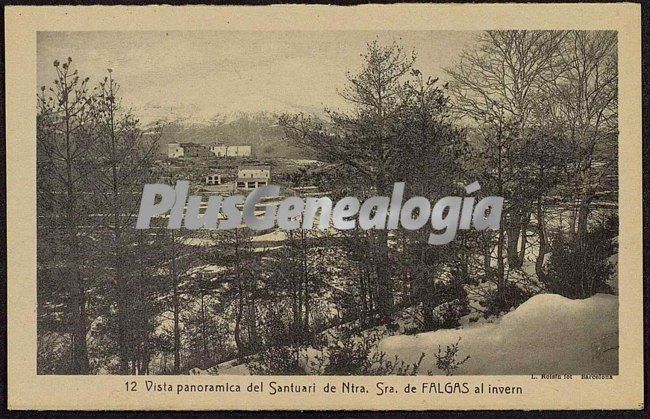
(582, 97)
(497, 87)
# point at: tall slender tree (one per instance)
(123, 155)
(65, 146)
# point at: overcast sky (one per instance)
(200, 74)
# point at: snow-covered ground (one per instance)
(546, 334)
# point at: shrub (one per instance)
(358, 355)
(448, 314)
(581, 268)
(443, 308)
(512, 296)
(448, 361)
(277, 360)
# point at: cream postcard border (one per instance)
(27, 390)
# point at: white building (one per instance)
(251, 177)
(175, 150)
(214, 179)
(231, 150)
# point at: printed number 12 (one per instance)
(131, 386)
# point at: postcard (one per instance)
(377, 207)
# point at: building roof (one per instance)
(252, 179)
(255, 167)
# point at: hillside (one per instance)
(567, 337)
(259, 130)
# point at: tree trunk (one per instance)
(487, 256)
(384, 284)
(543, 243)
(363, 295)
(122, 315)
(254, 341)
(524, 238)
(122, 302)
(512, 244)
(305, 276)
(144, 315)
(175, 302)
(237, 330)
(501, 277)
(240, 300)
(204, 329)
(583, 215)
(80, 363)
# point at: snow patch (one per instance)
(197, 241)
(274, 236)
(546, 334)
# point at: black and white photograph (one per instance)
(431, 282)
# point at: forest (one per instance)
(531, 115)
